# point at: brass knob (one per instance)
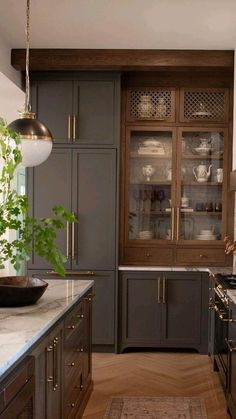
(50, 379)
(71, 327)
(80, 316)
(201, 256)
(81, 387)
(50, 348)
(148, 255)
(71, 405)
(72, 364)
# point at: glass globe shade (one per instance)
(36, 139)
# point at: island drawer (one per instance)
(74, 320)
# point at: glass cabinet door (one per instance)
(149, 187)
(202, 169)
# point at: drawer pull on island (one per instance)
(71, 327)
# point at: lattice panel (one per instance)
(151, 104)
(205, 105)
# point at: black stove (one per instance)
(226, 281)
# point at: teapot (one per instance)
(205, 143)
(148, 171)
(202, 173)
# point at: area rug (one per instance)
(156, 408)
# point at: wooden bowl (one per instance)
(18, 291)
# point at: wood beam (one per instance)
(121, 59)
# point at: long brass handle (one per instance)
(74, 127)
(77, 273)
(177, 227)
(69, 127)
(67, 239)
(158, 290)
(229, 344)
(164, 291)
(172, 223)
(73, 240)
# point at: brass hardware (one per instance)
(221, 295)
(229, 344)
(81, 387)
(50, 348)
(67, 239)
(221, 314)
(178, 219)
(158, 290)
(72, 364)
(164, 291)
(74, 128)
(148, 255)
(172, 223)
(69, 127)
(73, 240)
(78, 273)
(50, 379)
(80, 350)
(71, 327)
(90, 297)
(80, 316)
(71, 405)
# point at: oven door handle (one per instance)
(230, 346)
(219, 294)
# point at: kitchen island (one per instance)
(45, 353)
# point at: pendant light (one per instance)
(36, 139)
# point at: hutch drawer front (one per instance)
(197, 256)
(151, 256)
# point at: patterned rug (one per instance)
(156, 408)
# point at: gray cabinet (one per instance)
(79, 109)
(164, 309)
(84, 181)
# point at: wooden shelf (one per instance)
(201, 184)
(136, 155)
(151, 212)
(199, 213)
(165, 182)
(198, 157)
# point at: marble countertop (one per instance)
(21, 327)
(212, 270)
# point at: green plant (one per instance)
(31, 233)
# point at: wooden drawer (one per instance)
(200, 256)
(19, 378)
(73, 397)
(74, 320)
(73, 360)
(148, 256)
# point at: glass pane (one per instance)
(150, 185)
(201, 185)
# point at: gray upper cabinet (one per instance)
(82, 110)
(84, 181)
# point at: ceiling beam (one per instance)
(121, 59)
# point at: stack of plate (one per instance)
(207, 236)
(145, 235)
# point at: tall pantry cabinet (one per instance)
(82, 112)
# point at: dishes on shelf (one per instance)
(145, 235)
(151, 146)
(205, 237)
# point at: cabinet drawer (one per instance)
(74, 320)
(148, 256)
(203, 256)
(73, 397)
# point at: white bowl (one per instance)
(205, 237)
(207, 232)
(203, 151)
(152, 143)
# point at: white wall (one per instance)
(5, 63)
(11, 99)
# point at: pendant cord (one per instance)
(27, 83)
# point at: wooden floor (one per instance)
(155, 374)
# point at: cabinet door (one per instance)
(48, 372)
(94, 112)
(141, 313)
(53, 104)
(182, 305)
(50, 184)
(94, 203)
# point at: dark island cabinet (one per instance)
(84, 181)
(80, 109)
(164, 309)
(48, 373)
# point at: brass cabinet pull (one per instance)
(178, 220)
(72, 326)
(67, 239)
(50, 379)
(74, 128)
(69, 127)
(73, 240)
(79, 273)
(158, 290)
(80, 316)
(164, 291)
(172, 223)
(71, 405)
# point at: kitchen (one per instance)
(162, 225)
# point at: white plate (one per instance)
(205, 237)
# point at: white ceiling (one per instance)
(154, 24)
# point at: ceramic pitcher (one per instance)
(201, 172)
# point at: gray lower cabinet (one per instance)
(78, 108)
(164, 309)
(84, 181)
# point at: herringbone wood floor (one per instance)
(155, 374)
